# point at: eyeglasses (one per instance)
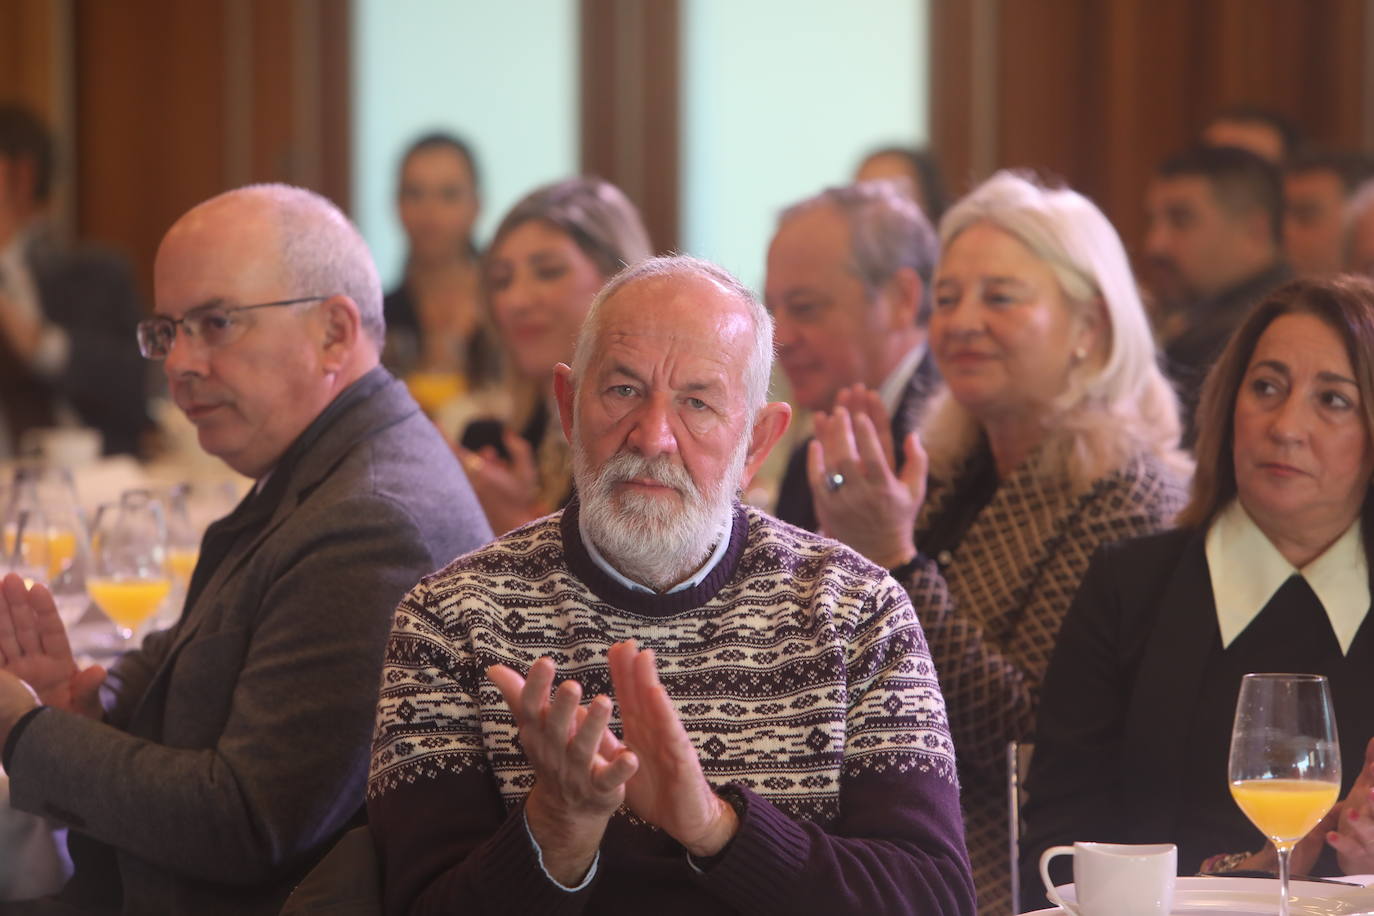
(213, 325)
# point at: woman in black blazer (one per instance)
(1268, 571)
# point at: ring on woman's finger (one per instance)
(834, 481)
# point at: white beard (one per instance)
(653, 540)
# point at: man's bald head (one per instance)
(320, 252)
(274, 308)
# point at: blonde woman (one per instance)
(1056, 433)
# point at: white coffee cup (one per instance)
(1110, 879)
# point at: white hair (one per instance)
(760, 364)
(323, 253)
(1113, 408)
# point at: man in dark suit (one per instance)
(1212, 250)
(849, 288)
(67, 314)
(231, 750)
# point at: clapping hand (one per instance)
(580, 770)
(1353, 836)
(507, 489)
(668, 789)
(583, 772)
(860, 498)
(34, 649)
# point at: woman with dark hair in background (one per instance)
(1268, 571)
(549, 257)
(436, 337)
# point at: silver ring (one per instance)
(834, 481)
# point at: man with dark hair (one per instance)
(1212, 248)
(67, 315)
(849, 289)
(1317, 186)
(1262, 131)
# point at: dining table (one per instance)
(33, 848)
(1221, 895)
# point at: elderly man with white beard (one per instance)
(765, 732)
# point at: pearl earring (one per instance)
(1080, 354)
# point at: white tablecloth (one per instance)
(33, 852)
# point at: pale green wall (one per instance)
(782, 99)
(502, 73)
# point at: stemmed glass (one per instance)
(28, 551)
(45, 499)
(1285, 766)
(129, 561)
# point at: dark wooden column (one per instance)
(1099, 91)
(176, 102)
(629, 105)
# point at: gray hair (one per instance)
(594, 213)
(323, 254)
(887, 231)
(1110, 410)
(760, 363)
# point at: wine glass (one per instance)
(49, 492)
(129, 561)
(1285, 766)
(27, 549)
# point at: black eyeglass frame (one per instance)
(148, 326)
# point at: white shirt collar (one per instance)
(694, 580)
(892, 387)
(1246, 569)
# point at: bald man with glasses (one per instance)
(208, 770)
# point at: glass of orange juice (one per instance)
(1285, 764)
(129, 577)
(432, 389)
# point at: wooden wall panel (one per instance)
(35, 71)
(28, 36)
(179, 101)
(1099, 91)
(630, 101)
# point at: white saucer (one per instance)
(1258, 897)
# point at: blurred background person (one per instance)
(1359, 230)
(1057, 433)
(67, 314)
(436, 336)
(1262, 131)
(1212, 249)
(549, 256)
(1267, 571)
(1317, 186)
(848, 286)
(917, 170)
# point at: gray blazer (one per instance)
(236, 749)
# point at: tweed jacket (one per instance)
(236, 750)
(991, 611)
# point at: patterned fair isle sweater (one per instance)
(798, 668)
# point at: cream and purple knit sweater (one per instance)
(798, 668)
